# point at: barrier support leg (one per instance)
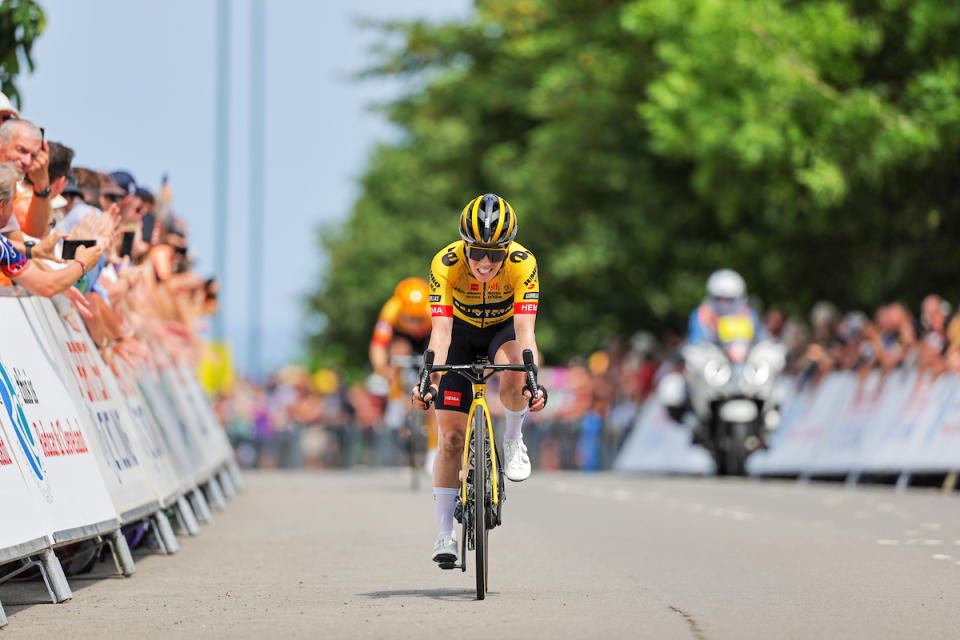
(164, 533)
(187, 516)
(950, 482)
(3, 617)
(235, 475)
(852, 479)
(200, 507)
(54, 577)
(226, 484)
(214, 494)
(121, 553)
(903, 481)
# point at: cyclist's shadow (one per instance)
(435, 594)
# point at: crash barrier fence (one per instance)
(85, 451)
(899, 425)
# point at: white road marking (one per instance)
(935, 526)
(888, 542)
(933, 543)
(941, 556)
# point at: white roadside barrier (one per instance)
(84, 450)
(899, 425)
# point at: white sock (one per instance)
(514, 419)
(445, 501)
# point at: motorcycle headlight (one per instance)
(756, 372)
(717, 373)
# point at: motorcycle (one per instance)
(728, 392)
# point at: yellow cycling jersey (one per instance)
(454, 292)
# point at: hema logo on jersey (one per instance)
(525, 307)
(21, 428)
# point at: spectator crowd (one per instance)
(102, 240)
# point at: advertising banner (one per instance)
(659, 445)
(183, 446)
(936, 446)
(161, 460)
(115, 444)
(804, 418)
(913, 407)
(23, 528)
(49, 437)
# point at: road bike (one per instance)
(480, 507)
(414, 431)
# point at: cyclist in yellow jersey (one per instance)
(484, 294)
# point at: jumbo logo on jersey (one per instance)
(21, 428)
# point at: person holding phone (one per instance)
(16, 266)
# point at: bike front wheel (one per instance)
(479, 500)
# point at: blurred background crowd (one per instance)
(325, 420)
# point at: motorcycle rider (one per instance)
(726, 298)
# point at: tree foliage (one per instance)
(812, 145)
(21, 23)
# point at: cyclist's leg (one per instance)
(452, 403)
(516, 462)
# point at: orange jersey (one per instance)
(392, 319)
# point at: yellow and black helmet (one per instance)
(489, 221)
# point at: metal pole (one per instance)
(221, 158)
(257, 228)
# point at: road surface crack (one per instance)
(695, 630)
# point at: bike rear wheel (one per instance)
(479, 500)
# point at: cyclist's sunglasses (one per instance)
(479, 253)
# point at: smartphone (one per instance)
(70, 247)
(42, 134)
(126, 245)
(148, 221)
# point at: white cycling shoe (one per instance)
(445, 549)
(516, 464)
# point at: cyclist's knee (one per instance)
(451, 441)
(511, 382)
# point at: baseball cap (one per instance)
(109, 187)
(125, 181)
(6, 107)
(72, 187)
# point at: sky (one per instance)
(131, 85)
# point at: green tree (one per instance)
(21, 23)
(811, 145)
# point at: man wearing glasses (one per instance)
(484, 293)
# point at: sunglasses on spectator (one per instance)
(113, 198)
(479, 253)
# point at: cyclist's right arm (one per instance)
(441, 309)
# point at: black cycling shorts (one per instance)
(467, 343)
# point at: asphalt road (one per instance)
(345, 555)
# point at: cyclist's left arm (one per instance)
(526, 300)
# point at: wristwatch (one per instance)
(42, 194)
(29, 245)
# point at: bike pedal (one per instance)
(448, 565)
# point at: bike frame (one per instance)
(479, 401)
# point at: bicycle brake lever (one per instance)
(531, 374)
(425, 374)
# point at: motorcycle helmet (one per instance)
(488, 221)
(726, 291)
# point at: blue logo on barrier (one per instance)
(29, 445)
